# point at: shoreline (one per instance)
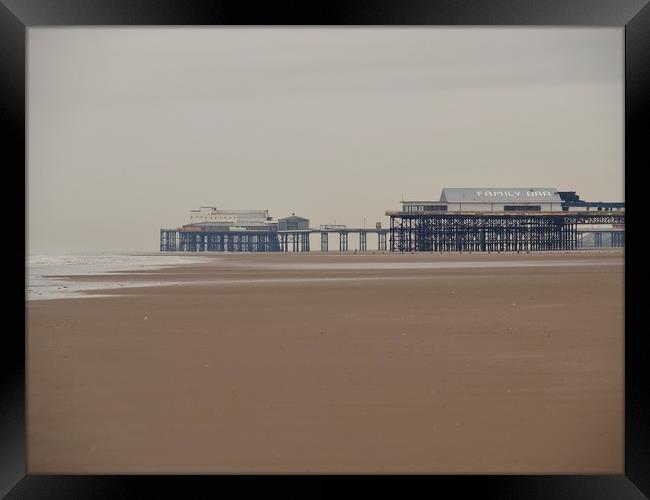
(269, 264)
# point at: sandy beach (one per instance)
(373, 363)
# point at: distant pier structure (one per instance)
(215, 230)
(504, 220)
(293, 233)
(462, 220)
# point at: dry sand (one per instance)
(428, 370)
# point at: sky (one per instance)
(131, 128)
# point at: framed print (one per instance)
(380, 239)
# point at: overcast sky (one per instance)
(129, 129)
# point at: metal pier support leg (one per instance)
(381, 241)
(620, 239)
(324, 244)
(343, 242)
(363, 239)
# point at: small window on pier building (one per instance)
(425, 208)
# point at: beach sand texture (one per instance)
(383, 364)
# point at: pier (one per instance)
(499, 232)
(290, 240)
(462, 220)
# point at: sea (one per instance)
(52, 276)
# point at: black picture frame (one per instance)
(16, 16)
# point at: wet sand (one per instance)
(384, 367)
